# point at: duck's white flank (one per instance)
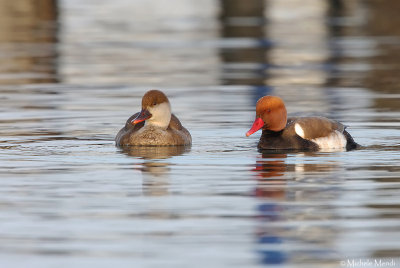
(334, 141)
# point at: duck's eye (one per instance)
(154, 104)
(268, 110)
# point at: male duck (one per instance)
(297, 133)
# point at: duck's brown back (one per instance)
(314, 127)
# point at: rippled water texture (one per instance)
(72, 72)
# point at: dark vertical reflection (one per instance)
(234, 24)
(244, 63)
(336, 12)
(342, 22)
(28, 37)
(335, 29)
(345, 39)
(383, 24)
(374, 23)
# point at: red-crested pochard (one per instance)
(297, 133)
(155, 125)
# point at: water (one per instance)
(70, 198)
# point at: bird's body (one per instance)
(155, 125)
(297, 133)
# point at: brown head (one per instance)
(152, 98)
(155, 109)
(270, 115)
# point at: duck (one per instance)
(297, 133)
(154, 125)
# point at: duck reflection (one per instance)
(270, 170)
(155, 170)
(155, 152)
(285, 185)
(271, 166)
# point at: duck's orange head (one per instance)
(270, 115)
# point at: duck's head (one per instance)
(156, 109)
(270, 115)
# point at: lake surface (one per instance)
(73, 73)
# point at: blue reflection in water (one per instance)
(270, 212)
(269, 188)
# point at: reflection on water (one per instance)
(244, 20)
(154, 152)
(300, 242)
(28, 43)
(270, 169)
(270, 185)
(72, 71)
(155, 178)
(155, 173)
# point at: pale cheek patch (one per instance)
(334, 141)
(161, 115)
(299, 130)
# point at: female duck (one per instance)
(154, 125)
(297, 133)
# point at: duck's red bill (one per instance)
(258, 123)
(143, 115)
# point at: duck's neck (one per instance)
(271, 133)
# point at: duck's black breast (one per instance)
(286, 139)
